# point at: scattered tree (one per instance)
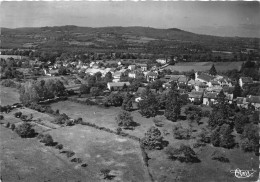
(125, 120)
(153, 139)
(25, 130)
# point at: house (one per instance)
(151, 76)
(254, 100)
(203, 77)
(210, 98)
(241, 102)
(143, 67)
(195, 96)
(176, 78)
(117, 85)
(162, 61)
(245, 80)
(117, 76)
(200, 85)
(132, 75)
(131, 67)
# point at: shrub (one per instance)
(181, 133)
(158, 122)
(47, 140)
(8, 83)
(153, 139)
(8, 125)
(61, 119)
(18, 114)
(23, 117)
(25, 130)
(68, 153)
(198, 144)
(204, 136)
(59, 146)
(77, 160)
(205, 113)
(184, 154)
(105, 173)
(12, 127)
(125, 120)
(217, 155)
(118, 130)
(78, 121)
(1, 117)
(84, 165)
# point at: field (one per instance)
(104, 150)
(204, 66)
(27, 160)
(163, 169)
(8, 96)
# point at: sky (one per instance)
(212, 18)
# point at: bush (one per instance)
(8, 83)
(25, 130)
(23, 117)
(59, 146)
(184, 154)
(105, 173)
(217, 155)
(77, 160)
(205, 113)
(68, 153)
(47, 139)
(204, 136)
(61, 119)
(12, 127)
(78, 121)
(8, 125)
(158, 122)
(181, 133)
(1, 117)
(153, 139)
(125, 120)
(118, 130)
(18, 114)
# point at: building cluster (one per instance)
(204, 88)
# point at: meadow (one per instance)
(8, 96)
(204, 66)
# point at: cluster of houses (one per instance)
(205, 87)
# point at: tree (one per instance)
(62, 70)
(213, 70)
(149, 104)
(125, 120)
(153, 139)
(240, 121)
(226, 138)
(194, 113)
(108, 77)
(181, 133)
(84, 89)
(157, 84)
(28, 93)
(25, 130)
(47, 139)
(127, 102)
(95, 91)
(184, 153)
(215, 137)
(114, 99)
(173, 104)
(237, 91)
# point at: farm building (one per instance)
(245, 80)
(117, 85)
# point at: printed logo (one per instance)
(243, 173)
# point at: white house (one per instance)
(117, 85)
(162, 61)
(245, 80)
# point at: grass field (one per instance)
(204, 66)
(26, 160)
(8, 96)
(104, 150)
